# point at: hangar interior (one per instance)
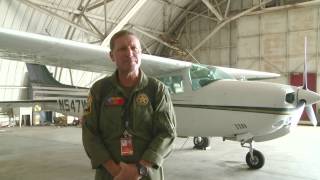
(248, 34)
(261, 35)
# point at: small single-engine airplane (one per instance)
(209, 101)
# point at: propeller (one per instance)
(311, 115)
(305, 71)
(296, 118)
(308, 96)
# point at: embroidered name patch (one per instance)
(114, 101)
(142, 99)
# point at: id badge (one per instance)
(126, 146)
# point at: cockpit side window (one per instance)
(174, 83)
(201, 75)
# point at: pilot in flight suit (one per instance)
(151, 123)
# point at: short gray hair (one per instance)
(118, 35)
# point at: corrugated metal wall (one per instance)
(275, 41)
(272, 41)
(12, 80)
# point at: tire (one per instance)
(258, 160)
(201, 142)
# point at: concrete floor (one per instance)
(53, 153)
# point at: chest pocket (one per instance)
(142, 113)
(111, 117)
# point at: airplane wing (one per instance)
(248, 74)
(40, 49)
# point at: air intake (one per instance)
(240, 126)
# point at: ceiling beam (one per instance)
(55, 7)
(88, 15)
(218, 7)
(187, 11)
(83, 9)
(156, 38)
(212, 9)
(123, 21)
(105, 17)
(63, 19)
(97, 4)
(289, 6)
(181, 17)
(226, 21)
(71, 11)
(176, 23)
(92, 25)
(76, 19)
(226, 12)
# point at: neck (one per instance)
(128, 79)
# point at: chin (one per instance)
(131, 69)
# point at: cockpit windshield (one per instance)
(202, 75)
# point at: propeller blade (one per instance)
(305, 80)
(311, 115)
(296, 118)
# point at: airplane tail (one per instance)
(45, 87)
(40, 75)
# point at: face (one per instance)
(126, 54)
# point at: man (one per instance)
(129, 125)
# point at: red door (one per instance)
(296, 79)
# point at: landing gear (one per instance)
(254, 158)
(202, 143)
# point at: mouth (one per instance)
(132, 61)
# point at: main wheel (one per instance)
(257, 161)
(201, 142)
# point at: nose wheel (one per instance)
(254, 158)
(202, 143)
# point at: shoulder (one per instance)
(98, 84)
(159, 86)
(156, 83)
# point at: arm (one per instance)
(164, 129)
(92, 142)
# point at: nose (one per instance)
(308, 96)
(130, 51)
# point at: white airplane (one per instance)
(209, 101)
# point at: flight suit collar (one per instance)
(143, 81)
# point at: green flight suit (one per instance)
(152, 124)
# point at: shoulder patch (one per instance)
(88, 108)
(142, 99)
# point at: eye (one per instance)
(135, 49)
(123, 48)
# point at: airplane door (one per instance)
(296, 79)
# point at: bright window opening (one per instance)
(174, 83)
(203, 75)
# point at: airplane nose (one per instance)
(308, 96)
